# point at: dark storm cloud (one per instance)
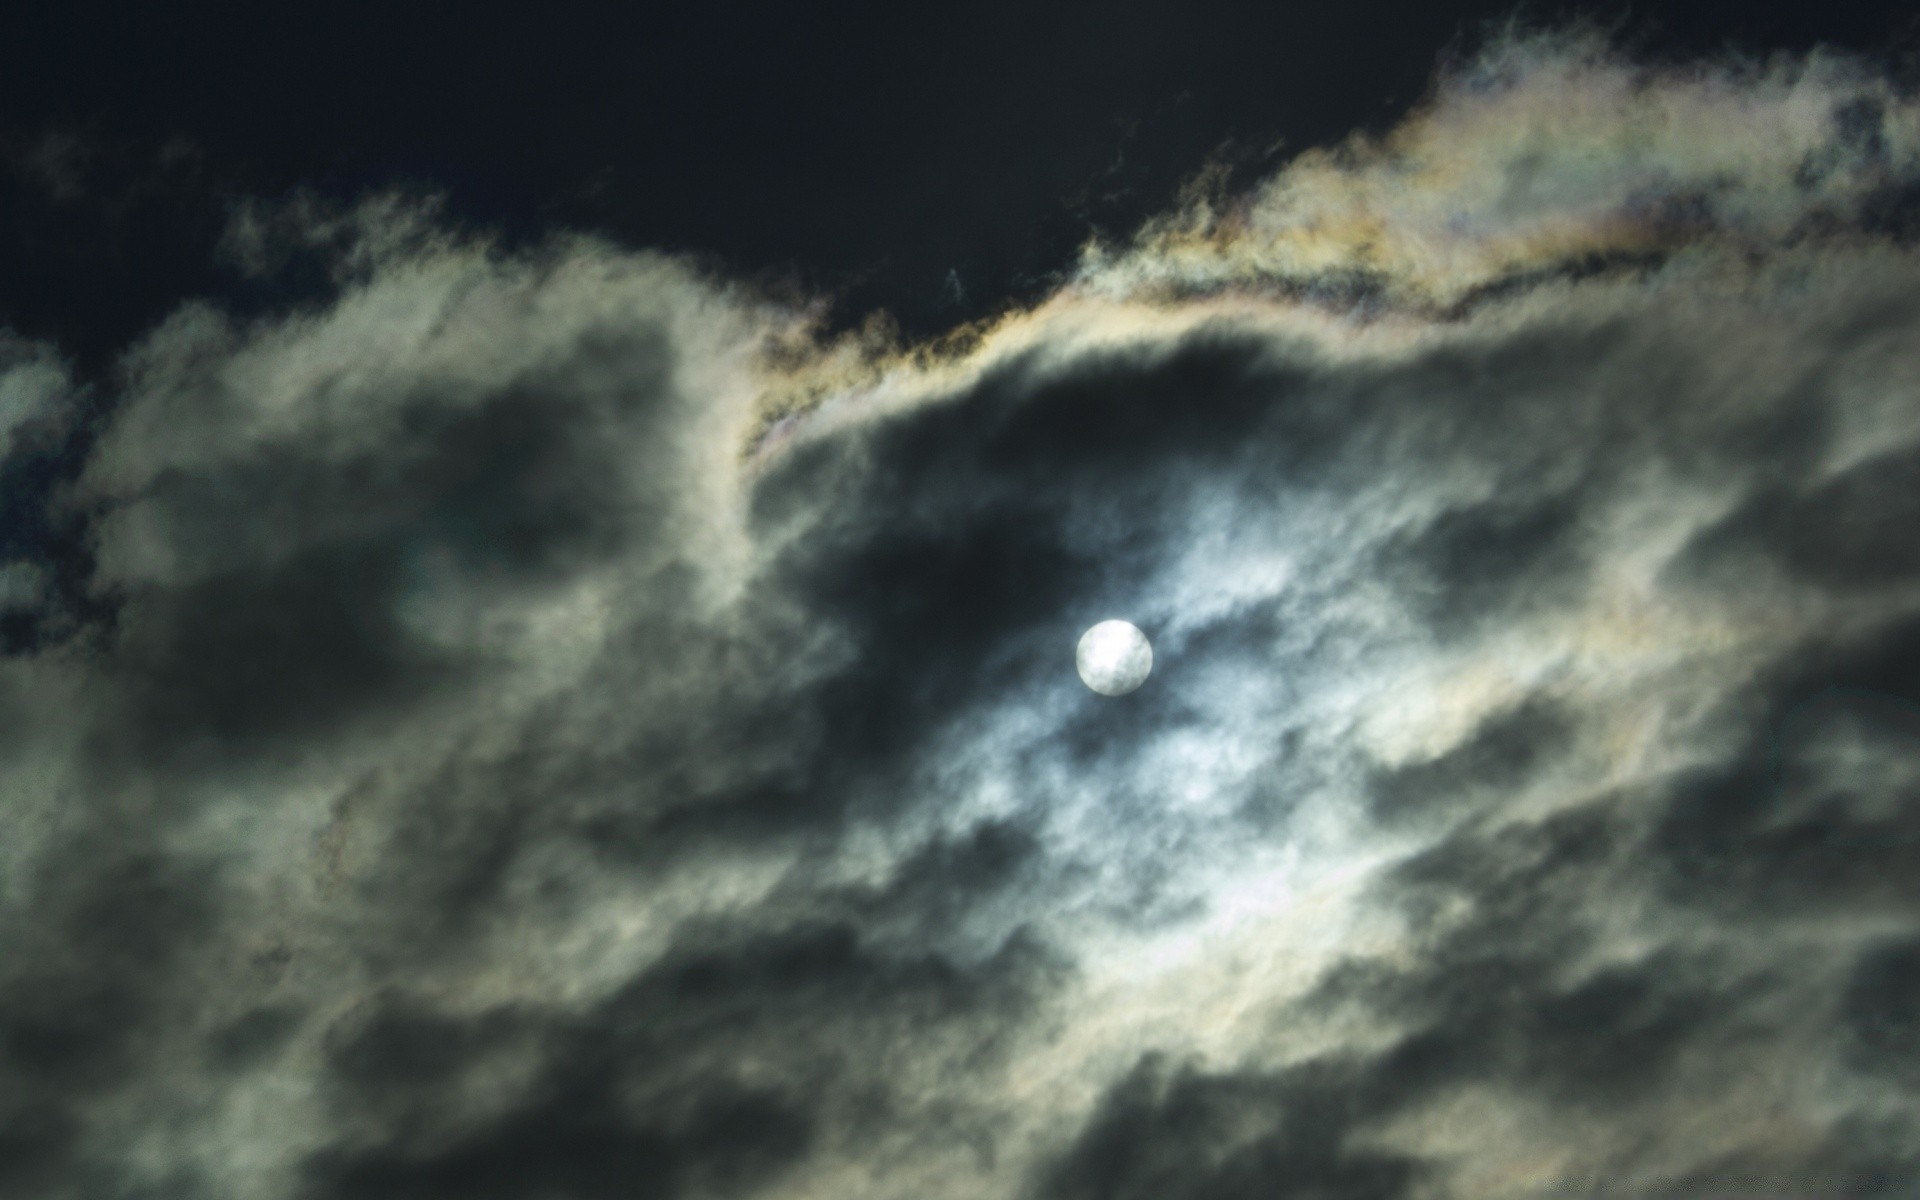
(495, 765)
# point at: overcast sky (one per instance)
(541, 571)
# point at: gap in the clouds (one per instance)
(44, 534)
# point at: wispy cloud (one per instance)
(554, 725)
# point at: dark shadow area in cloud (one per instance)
(1472, 569)
(86, 993)
(297, 624)
(577, 1144)
(1499, 994)
(1881, 1011)
(1502, 754)
(1172, 1133)
(1784, 826)
(1846, 534)
(939, 893)
(255, 1037)
(296, 653)
(718, 1068)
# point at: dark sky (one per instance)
(500, 699)
(867, 151)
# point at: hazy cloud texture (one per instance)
(548, 724)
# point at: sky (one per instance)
(542, 563)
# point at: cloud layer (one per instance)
(550, 725)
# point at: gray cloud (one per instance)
(490, 767)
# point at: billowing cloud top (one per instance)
(552, 725)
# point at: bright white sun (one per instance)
(1114, 658)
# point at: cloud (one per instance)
(35, 395)
(1550, 151)
(495, 765)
